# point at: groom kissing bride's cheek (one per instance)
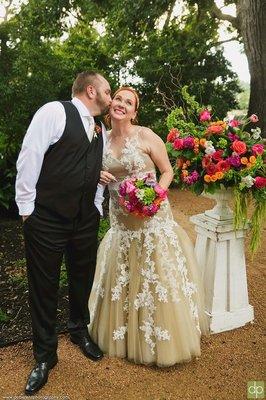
(143, 299)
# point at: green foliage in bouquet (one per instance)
(209, 155)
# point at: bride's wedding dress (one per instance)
(147, 299)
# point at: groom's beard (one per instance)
(102, 105)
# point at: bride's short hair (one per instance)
(107, 117)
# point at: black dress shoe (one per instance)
(90, 349)
(39, 376)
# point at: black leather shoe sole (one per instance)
(86, 353)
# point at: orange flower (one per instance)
(207, 178)
(185, 173)
(252, 159)
(179, 162)
(217, 127)
(219, 175)
(213, 178)
(188, 162)
(202, 142)
(249, 165)
(196, 141)
(244, 160)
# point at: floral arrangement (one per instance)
(141, 196)
(209, 155)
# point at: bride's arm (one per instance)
(157, 152)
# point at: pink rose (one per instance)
(178, 144)
(162, 193)
(258, 149)
(234, 123)
(130, 188)
(254, 118)
(205, 115)
(260, 182)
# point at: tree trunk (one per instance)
(251, 16)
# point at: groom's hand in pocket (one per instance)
(106, 177)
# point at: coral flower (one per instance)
(239, 147)
(217, 128)
(213, 178)
(172, 135)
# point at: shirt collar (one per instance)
(82, 109)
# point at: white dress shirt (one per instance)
(45, 129)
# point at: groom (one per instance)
(60, 201)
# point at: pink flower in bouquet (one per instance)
(258, 149)
(188, 142)
(234, 160)
(205, 115)
(239, 147)
(260, 182)
(178, 144)
(172, 135)
(130, 188)
(162, 193)
(217, 155)
(234, 123)
(232, 136)
(254, 118)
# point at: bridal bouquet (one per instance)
(141, 196)
(209, 155)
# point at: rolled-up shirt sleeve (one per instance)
(46, 128)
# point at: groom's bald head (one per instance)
(85, 79)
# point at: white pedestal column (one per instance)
(221, 255)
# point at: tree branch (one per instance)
(225, 41)
(169, 14)
(217, 13)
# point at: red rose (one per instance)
(178, 144)
(239, 147)
(211, 169)
(206, 161)
(260, 182)
(217, 155)
(223, 166)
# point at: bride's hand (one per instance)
(106, 177)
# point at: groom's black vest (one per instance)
(71, 168)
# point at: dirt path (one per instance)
(227, 362)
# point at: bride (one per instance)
(147, 300)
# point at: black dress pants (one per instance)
(48, 237)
